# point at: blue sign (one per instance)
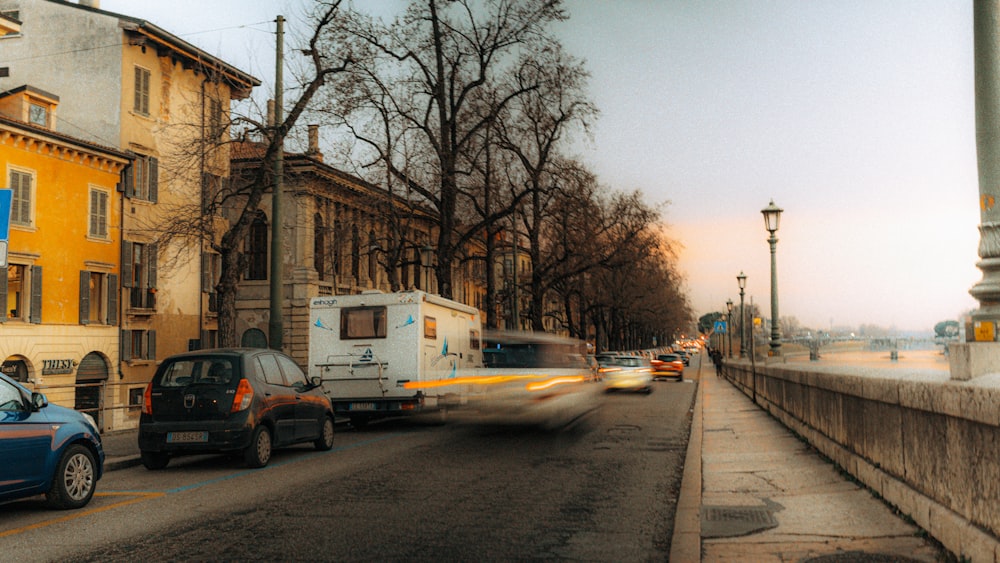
(720, 327)
(5, 198)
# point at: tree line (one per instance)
(466, 111)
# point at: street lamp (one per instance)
(772, 216)
(742, 280)
(729, 325)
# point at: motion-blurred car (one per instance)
(46, 449)
(627, 373)
(243, 400)
(529, 379)
(685, 356)
(668, 365)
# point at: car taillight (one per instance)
(147, 399)
(244, 396)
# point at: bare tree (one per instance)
(436, 66)
(222, 217)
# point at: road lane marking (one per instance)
(141, 496)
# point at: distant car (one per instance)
(243, 400)
(668, 365)
(685, 356)
(46, 449)
(627, 373)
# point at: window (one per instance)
(319, 246)
(141, 103)
(138, 345)
(355, 254)
(474, 342)
(98, 298)
(211, 268)
(20, 206)
(257, 249)
(362, 322)
(139, 274)
(142, 178)
(38, 115)
(21, 290)
(214, 119)
(372, 258)
(11, 15)
(98, 213)
(430, 328)
(293, 375)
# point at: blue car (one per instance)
(46, 449)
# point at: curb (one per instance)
(685, 544)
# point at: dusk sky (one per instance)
(856, 117)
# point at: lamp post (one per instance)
(729, 325)
(772, 216)
(742, 280)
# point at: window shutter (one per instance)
(206, 273)
(151, 258)
(36, 294)
(126, 264)
(206, 341)
(3, 294)
(154, 178)
(113, 293)
(128, 179)
(125, 346)
(84, 297)
(151, 345)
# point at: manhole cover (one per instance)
(732, 521)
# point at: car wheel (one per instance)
(74, 482)
(258, 453)
(325, 440)
(154, 460)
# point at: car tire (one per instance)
(75, 479)
(258, 453)
(154, 460)
(325, 441)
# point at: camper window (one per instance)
(362, 322)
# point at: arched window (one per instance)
(319, 246)
(257, 249)
(337, 239)
(254, 338)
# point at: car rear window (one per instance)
(198, 371)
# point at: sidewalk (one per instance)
(753, 491)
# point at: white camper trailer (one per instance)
(375, 351)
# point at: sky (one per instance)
(855, 116)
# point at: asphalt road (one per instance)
(605, 489)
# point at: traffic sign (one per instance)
(5, 199)
(720, 327)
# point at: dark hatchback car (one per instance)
(239, 400)
(46, 449)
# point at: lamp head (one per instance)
(729, 305)
(772, 216)
(742, 280)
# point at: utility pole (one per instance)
(275, 324)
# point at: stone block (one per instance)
(969, 360)
(879, 389)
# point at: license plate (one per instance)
(362, 406)
(186, 437)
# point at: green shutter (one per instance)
(126, 264)
(154, 178)
(150, 345)
(151, 258)
(125, 346)
(113, 293)
(84, 297)
(36, 294)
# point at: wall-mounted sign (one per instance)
(54, 367)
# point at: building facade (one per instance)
(166, 103)
(59, 326)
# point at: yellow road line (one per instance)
(140, 497)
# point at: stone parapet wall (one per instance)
(928, 445)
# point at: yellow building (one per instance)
(58, 330)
